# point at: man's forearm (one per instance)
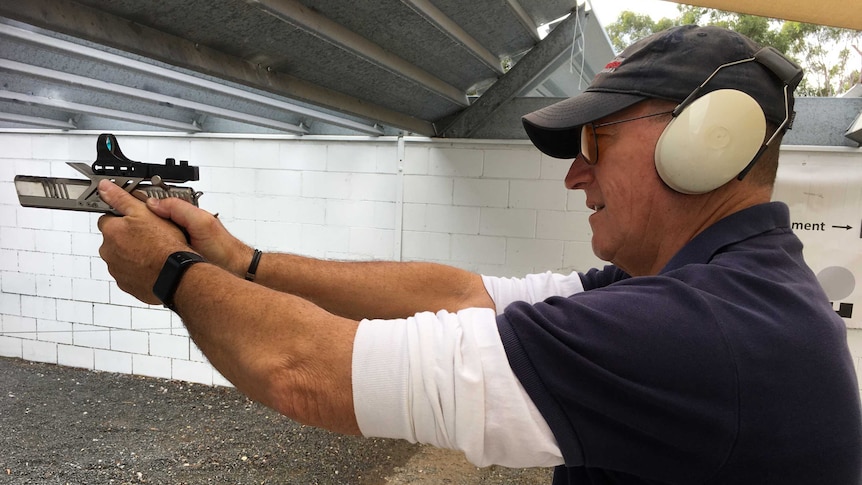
(373, 289)
(352, 289)
(276, 348)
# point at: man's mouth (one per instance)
(596, 207)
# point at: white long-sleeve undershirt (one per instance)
(444, 379)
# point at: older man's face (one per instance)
(632, 212)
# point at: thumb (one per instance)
(113, 195)
(181, 212)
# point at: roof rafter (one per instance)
(525, 19)
(37, 121)
(67, 106)
(301, 16)
(521, 75)
(97, 26)
(456, 33)
(149, 96)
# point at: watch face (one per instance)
(184, 257)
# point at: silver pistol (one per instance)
(141, 179)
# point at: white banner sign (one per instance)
(823, 187)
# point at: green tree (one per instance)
(829, 55)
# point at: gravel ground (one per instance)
(63, 425)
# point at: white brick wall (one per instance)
(495, 208)
(76, 356)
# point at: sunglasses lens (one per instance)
(588, 144)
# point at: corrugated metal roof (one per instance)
(431, 67)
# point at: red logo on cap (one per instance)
(613, 65)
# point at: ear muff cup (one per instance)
(710, 142)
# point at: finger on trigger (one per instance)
(116, 197)
(140, 195)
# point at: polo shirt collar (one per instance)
(730, 230)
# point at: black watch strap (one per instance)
(171, 274)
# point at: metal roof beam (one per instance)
(448, 26)
(104, 57)
(79, 21)
(98, 111)
(299, 15)
(591, 53)
(525, 19)
(522, 74)
(149, 96)
(35, 121)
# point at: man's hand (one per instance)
(136, 245)
(207, 235)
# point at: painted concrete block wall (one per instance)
(491, 207)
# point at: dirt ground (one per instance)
(71, 426)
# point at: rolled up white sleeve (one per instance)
(444, 379)
(532, 288)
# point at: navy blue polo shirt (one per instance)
(728, 367)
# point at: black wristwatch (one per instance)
(171, 274)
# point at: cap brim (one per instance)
(556, 129)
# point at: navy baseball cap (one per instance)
(667, 65)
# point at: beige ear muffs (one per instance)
(710, 142)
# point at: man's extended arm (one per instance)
(444, 377)
(373, 289)
(277, 348)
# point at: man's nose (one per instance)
(579, 175)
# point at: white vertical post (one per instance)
(399, 200)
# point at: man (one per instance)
(707, 353)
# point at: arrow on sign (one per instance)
(843, 227)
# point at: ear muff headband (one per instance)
(723, 135)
